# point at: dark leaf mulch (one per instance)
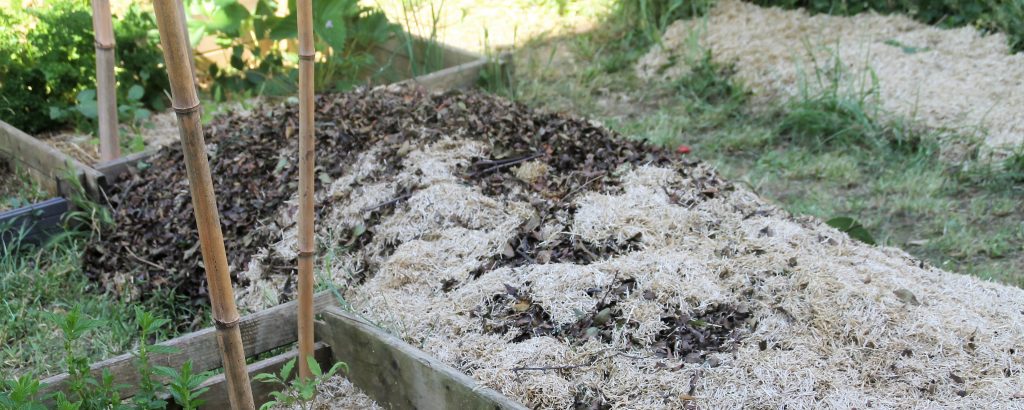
(253, 161)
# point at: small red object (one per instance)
(683, 149)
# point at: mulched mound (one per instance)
(566, 267)
(254, 167)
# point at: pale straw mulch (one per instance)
(959, 79)
(834, 323)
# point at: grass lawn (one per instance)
(825, 155)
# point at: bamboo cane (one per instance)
(106, 95)
(307, 245)
(185, 101)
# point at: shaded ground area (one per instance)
(16, 188)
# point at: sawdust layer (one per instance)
(827, 322)
(959, 79)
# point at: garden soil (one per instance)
(566, 267)
(957, 79)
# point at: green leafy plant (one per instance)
(21, 394)
(852, 228)
(184, 385)
(262, 58)
(85, 391)
(297, 391)
(47, 65)
(149, 394)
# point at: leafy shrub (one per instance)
(261, 63)
(1006, 16)
(47, 64)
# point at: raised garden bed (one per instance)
(60, 173)
(563, 266)
(391, 372)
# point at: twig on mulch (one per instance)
(589, 362)
(579, 188)
(502, 163)
(390, 202)
(140, 259)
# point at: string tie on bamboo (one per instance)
(188, 110)
(225, 325)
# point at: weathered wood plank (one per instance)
(49, 164)
(217, 396)
(111, 170)
(261, 331)
(34, 223)
(460, 76)
(394, 55)
(450, 55)
(398, 375)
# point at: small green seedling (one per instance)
(184, 386)
(297, 391)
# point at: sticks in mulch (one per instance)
(186, 104)
(307, 156)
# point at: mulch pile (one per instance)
(254, 167)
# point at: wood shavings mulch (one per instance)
(566, 267)
(959, 79)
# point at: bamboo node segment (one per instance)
(305, 254)
(103, 46)
(308, 57)
(224, 325)
(188, 110)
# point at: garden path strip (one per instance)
(959, 79)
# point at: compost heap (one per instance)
(959, 79)
(568, 268)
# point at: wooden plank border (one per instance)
(34, 223)
(261, 332)
(47, 164)
(393, 372)
(111, 170)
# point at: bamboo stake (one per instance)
(185, 101)
(307, 156)
(106, 95)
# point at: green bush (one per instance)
(1006, 16)
(260, 64)
(47, 61)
